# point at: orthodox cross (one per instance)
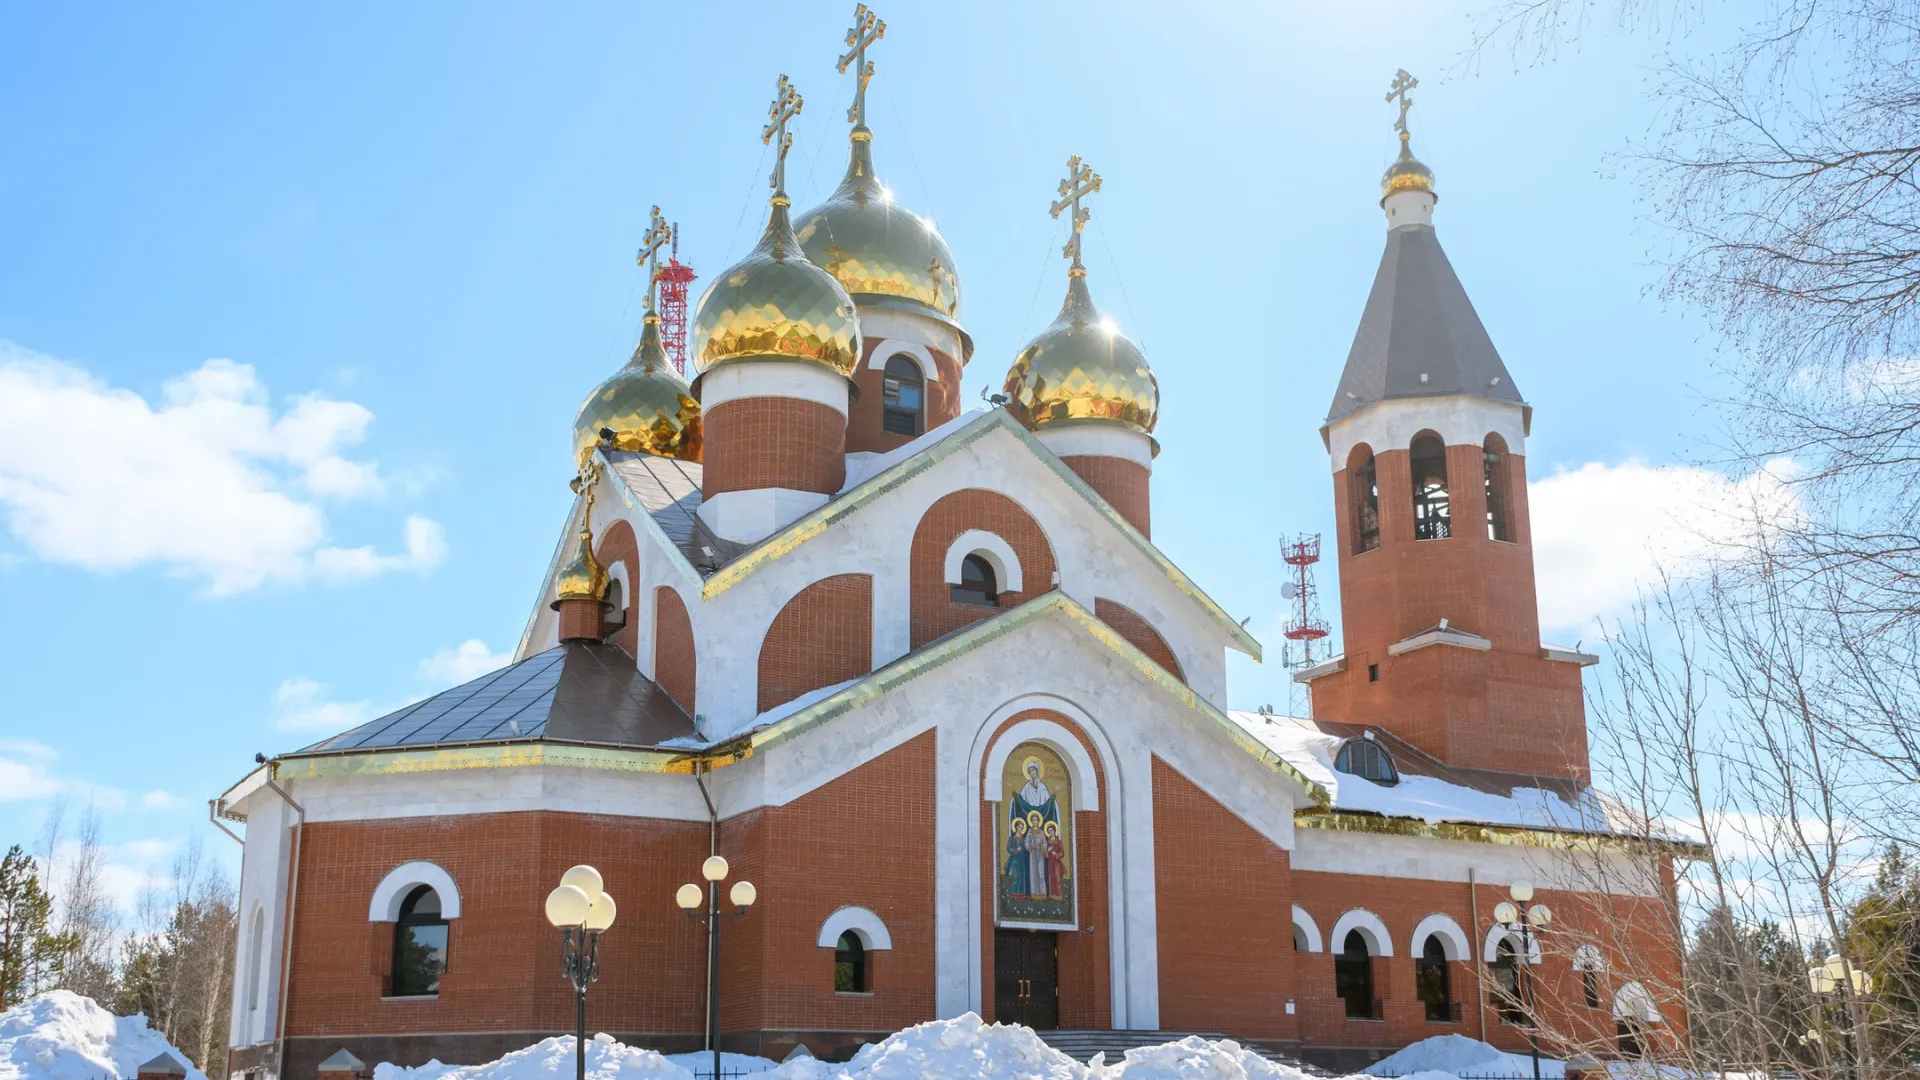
(1402, 83)
(867, 29)
(786, 105)
(1081, 181)
(657, 236)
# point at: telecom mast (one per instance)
(1306, 627)
(674, 279)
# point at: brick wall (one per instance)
(866, 840)
(1636, 934)
(1140, 632)
(675, 666)
(942, 402)
(1125, 484)
(1507, 708)
(823, 636)
(763, 442)
(503, 960)
(1223, 895)
(617, 545)
(934, 612)
(1085, 956)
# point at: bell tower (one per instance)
(1427, 437)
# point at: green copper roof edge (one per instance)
(1481, 833)
(485, 756)
(985, 632)
(900, 472)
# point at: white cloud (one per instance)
(468, 660)
(299, 705)
(208, 482)
(1601, 532)
(27, 773)
(159, 800)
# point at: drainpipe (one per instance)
(293, 900)
(1479, 985)
(713, 848)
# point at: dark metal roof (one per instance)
(576, 692)
(669, 491)
(1419, 335)
(1413, 761)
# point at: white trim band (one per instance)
(1379, 941)
(989, 546)
(773, 377)
(401, 880)
(863, 924)
(1098, 440)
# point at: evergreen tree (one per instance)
(28, 952)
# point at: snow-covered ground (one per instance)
(968, 1048)
(60, 1035)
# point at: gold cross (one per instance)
(1402, 83)
(656, 237)
(867, 28)
(1081, 181)
(786, 105)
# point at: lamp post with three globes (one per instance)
(582, 911)
(743, 894)
(1517, 915)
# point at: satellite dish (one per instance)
(1289, 591)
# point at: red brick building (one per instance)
(925, 680)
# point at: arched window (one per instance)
(1589, 963)
(1367, 760)
(1353, 978)
(1506, 982)
(849, 965)
(615, 615)
(977, 584)
(1432, 517)
(902, 395)
(1430, 980)
(256, 954)
(1494, 454)
(1300, 939)
(1364, 492)
(419, 945)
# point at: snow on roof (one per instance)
(772, 716)
(1423, 797)
(864, 465)
(60, 1035)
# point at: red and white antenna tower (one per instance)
(674, 279)
(1306, 627)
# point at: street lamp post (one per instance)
(1838, 977)
(743, 894)
(581, 910)
(1516, 914)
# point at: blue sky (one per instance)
(405, 233)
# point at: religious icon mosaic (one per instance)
(1033, 839)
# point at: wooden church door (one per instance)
(1026, 978)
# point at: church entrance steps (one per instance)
(1083, 1044)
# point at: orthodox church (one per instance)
(923, 678)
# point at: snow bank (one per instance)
(1195, 1058)
(60, 1035)
(963, 1048)
(702, 1061)
(1456, 1054)
(549, 1059)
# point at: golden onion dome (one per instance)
(774, 303)
(1407, 173)
(1082, 368)
(882, 253)
(583, 578)
(645, 406)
